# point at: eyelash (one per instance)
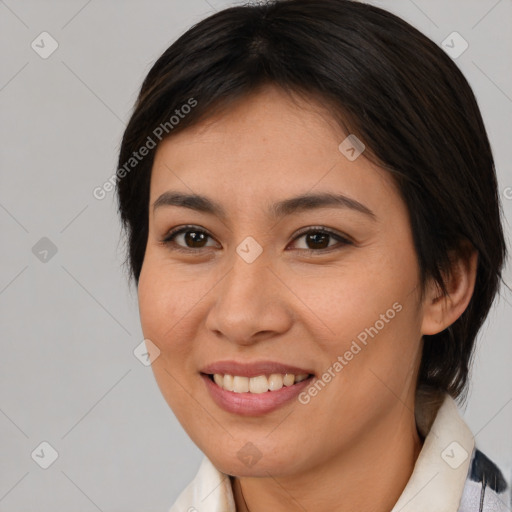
(169, 239)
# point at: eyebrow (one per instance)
(280, 209)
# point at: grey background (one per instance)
(69, 324)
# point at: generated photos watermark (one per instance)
(343, 360)
(163, 129)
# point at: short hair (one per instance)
(383, 81)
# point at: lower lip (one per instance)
(253, 404)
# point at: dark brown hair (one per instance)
(385, 82)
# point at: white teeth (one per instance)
(288, 379)
(228, 382)
(240, 384)
(275, 382)
(259, 384)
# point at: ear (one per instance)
(439, 312)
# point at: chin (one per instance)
(247, 462)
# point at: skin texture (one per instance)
(291, 307)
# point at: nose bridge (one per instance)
(242, 305)
(249, 267)
(242, 285)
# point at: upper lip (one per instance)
(252, 369)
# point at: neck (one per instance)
(370, 475)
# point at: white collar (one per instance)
(436, 483)
(439, 475)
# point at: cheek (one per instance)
(374, 325)
(161, 305)
(372, 377)
(348, 299)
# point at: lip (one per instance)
(253, 404)
(253, 369)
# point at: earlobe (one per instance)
(440, 311)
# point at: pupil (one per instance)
(193, 237)
(318, 238)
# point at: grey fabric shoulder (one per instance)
(486, 488)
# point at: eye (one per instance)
(193, 239)
(192, 236)
(318, 238)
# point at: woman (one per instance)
(314, 229)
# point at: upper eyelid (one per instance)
(183, 229)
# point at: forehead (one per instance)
(265, 145)
(268, 123)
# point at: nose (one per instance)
(250, 303)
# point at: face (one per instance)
(257, 285)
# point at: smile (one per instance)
(260, 400)
(258, 384)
